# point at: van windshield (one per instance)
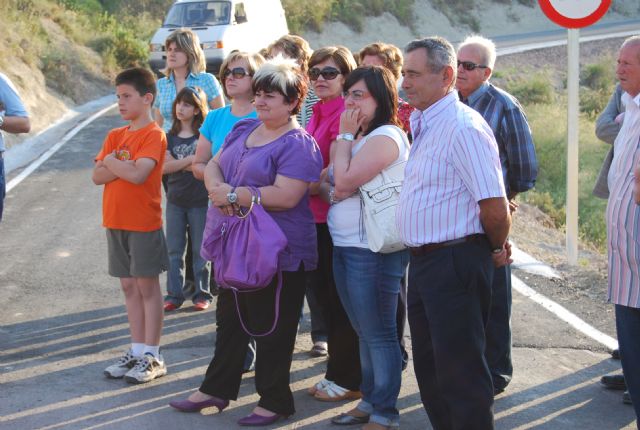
(193, 14)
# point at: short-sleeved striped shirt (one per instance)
(167, 93)
(453, 164)
(623, 214)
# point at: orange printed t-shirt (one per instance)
(127, 206)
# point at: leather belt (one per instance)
(430, 247)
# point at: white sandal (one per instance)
(335, 393)
(321, 385)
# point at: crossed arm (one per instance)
(110, 169)
(16, 124)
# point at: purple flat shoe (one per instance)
(189, 406)
(255, 420)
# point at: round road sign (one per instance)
(574, 13)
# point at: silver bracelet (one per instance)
(332, 193)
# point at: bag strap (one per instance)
(256, 199)
(277, 308)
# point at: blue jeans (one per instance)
(628, 328)
(178, 220)
(369, 285)
(2, 185)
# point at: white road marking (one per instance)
(44, 157)
(563, 313)
(524, 261)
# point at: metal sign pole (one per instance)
(573, 48)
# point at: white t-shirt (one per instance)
(345, 217)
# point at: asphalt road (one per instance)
(512, 43)
(62, 322)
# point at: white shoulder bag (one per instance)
(380, 198)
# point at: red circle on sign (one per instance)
(567, 22)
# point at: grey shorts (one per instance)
(137, 254)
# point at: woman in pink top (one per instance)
(330, 326)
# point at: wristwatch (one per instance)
(232, 197)
(1, 118)
(346, 136)
(497, 250)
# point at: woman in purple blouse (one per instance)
(273, 154)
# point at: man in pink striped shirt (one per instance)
(453, 214)
(623, 221)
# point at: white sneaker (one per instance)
(146, 369)
(122, 366)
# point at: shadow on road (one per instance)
(51, 378)
(27, 344)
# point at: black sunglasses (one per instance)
(469, 66)
(237, 72)
(328, 73)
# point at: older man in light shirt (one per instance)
(454, 215)
(623, 221)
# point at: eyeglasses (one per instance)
(237, 72)
(355, 95)
(328, 73)
(469, 65)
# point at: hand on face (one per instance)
(351, 120)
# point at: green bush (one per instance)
(592, 102)
(547, 204)
(85, 6)
(55, 66)
(599, 76)
(156, 8)
(307, 15)
(536, 89)
(119, 45)
(548, 126)
(312, 15)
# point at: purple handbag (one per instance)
(245, 251)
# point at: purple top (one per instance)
(294, 155)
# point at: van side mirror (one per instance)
(241, 19)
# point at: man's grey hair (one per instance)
(440, 53)
(633, 40)
(486, 47)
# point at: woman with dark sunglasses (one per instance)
(328, 69)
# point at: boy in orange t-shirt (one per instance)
(130, 168)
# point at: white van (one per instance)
(222, 26)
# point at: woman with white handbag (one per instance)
(369, 259)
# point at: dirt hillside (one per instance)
(493, 18)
